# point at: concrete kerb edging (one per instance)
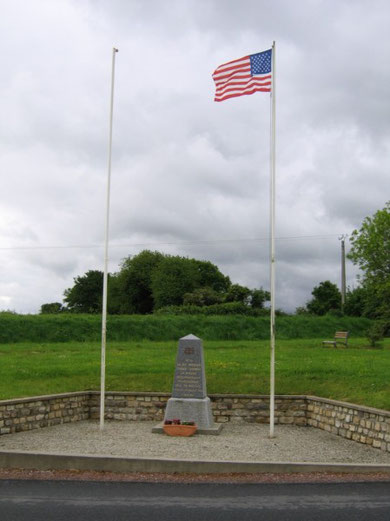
(37, 461)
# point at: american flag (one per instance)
(244, 76)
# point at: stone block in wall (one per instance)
(285, 420)
(258, 406)
(221, 419)
(160, 405)
(237, 419)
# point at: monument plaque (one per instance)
(189, 400)
(190, 380)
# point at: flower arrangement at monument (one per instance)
(176, 427)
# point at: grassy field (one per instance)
(357, 374)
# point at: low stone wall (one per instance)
(255, 409)
(225, 407)
(354, 422)
(130, 406)
(362, 424)
(24, 414)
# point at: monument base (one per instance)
(191, 409)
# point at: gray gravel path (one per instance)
(235, 443)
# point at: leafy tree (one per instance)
(210, 276)
(132, 288)
(326, 297)
(151, 280)
(378, 300)
(115, 295)
(370, 251)
(371, 246)
(202, 297)
(238, 293)
(172, 278)
(52, 307)
(258, 297)
(355, 302)
(86, 294)
(254, 299)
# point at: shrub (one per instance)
(375, 333)
(52, 307)
(227, 308)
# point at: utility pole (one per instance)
(343, 285)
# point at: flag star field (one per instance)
(261, 62)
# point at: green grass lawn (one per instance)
(357, 374)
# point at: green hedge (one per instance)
(74, 327)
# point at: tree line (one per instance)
(152, 281)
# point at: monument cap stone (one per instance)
(189, 337)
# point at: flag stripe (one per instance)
(244, 80)
(241, 94)
(238, 78)
(243, 65)
(228, 64)
(241, 91)
(236, 74)
(242, 87)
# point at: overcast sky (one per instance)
(189, 176)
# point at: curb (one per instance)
(38, 461)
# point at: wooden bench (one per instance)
(340, 337)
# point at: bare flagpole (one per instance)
(105, 274)
(272, 253)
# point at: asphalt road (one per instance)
(97, 501)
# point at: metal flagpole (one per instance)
(343, 284)
(272, 253)
(105, 274)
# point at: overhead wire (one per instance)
(167, 243)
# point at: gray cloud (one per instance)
(189, 176)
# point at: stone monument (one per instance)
(189, 400)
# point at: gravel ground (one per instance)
(235, 443)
